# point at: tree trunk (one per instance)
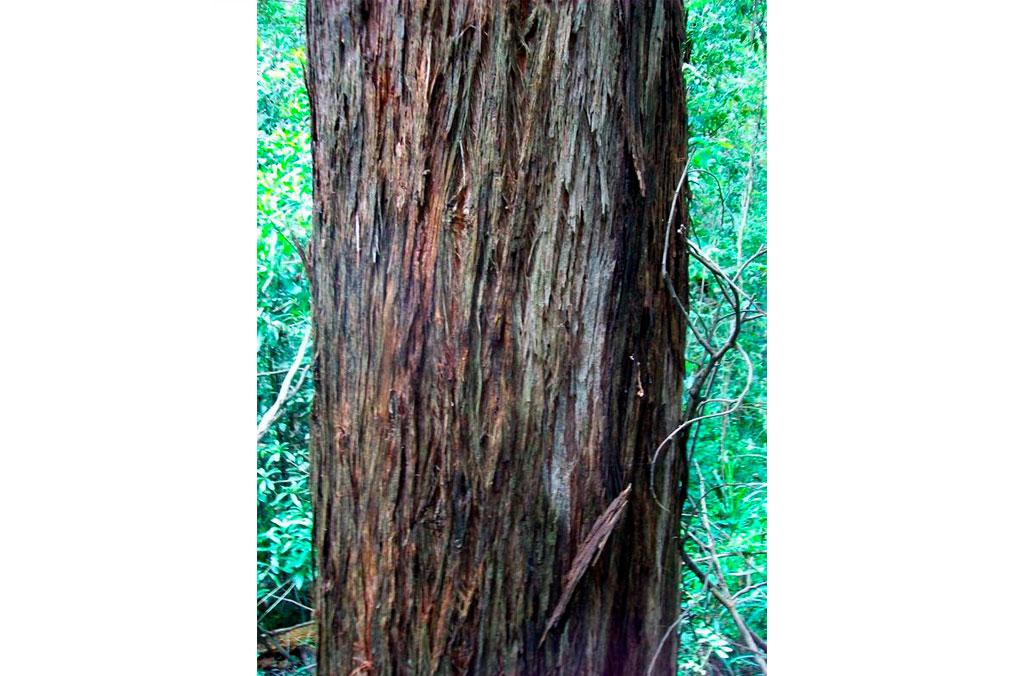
(497, 356)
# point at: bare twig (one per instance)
(748, 190)
(661, 644)
(690, 420)
(723, 555)
(761, 250)
(721, 197)
(260, 374)
(757, 484)
(284, 393)
(753, 642)
(717, 272)
(303, 258)
(274, 604)
(277, 589)
(749, 588)
(664, 260)
(720, 589)
(291, 601)
(716, 355)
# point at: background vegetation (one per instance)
(284, 177)
(725, 517)
(724, 590)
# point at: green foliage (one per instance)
(283, 216)
(726, 506)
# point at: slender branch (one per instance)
(664, 260)
(703, 506)
(721, 197)
(288, 600)
(303, 258)
(753, 552)
(748, 191)
(749, 588)
(753, 642)
(716, 270)
(261, 374)
(761, 250)
(720, 590)
(716, 355)
(270, 593)
(274, 604)
(302, 379)
(284, 393)
(661, 644)
(690, 420)
(755, 484)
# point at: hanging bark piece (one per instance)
(588, 553)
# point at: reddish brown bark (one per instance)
(496, 355)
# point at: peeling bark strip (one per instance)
(492, 181)
(589, 551)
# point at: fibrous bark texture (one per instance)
(496, 355)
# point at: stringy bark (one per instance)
(496, 357)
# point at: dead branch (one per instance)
(761, 250)
(732, 292)
(664, 261)
(755, 644)
(694, 406)
(720, 589)
(661, 643)
(284, 393)
(721, 196)
(274, 604)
